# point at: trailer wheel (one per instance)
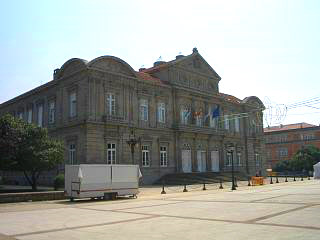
(114, 195)
(71, 199)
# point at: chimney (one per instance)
(157, 63)
(142, 69)
(179, 56)
(55, 73)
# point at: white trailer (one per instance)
(101, 181)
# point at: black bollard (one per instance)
(286, 179)
(204, 186)
(185, 188)
(308, 177)
(235, 182)
(271, 182)
(277, 180)
(163, 191)
(221, 187)
(301, 178)
(294, 178)
(249, 184)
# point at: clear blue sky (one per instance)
(262, 48)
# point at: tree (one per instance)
(302, 160)
(27, 148)
(282, 166)
(305, 158)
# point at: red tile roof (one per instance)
(288, 127)
(230, 98)
(148, 77)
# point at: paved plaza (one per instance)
(278, 211)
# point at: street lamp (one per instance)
(231, 150)
(132, 143)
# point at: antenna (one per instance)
(159, 59)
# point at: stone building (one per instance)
(283, 141)
(173, 110)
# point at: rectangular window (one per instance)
(144, 110)
(257, 159)
(283, 152)
(163, 156)
(229, 160)
(72, 153)
(307, 136)
(111, 104)
(199, 120)
(226, 122)
(52, 110)
(161, 112)
(145, 156)
(40, 115)
(20, 115)
(184, 116)
(237, 124)
(73, 104)
(29, 117)
(239, 159)
(111, 153)
(213, 122)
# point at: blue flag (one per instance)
(216, 112)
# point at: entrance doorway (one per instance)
(215, 161)
(201, 158)
(186, 161)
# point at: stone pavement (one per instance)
(279, 211)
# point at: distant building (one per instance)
(174, 110)
(283, 141)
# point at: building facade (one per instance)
(283, 141)
(173, 111)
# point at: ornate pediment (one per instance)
(112, 64)
(196, 64)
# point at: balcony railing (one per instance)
(113, 118)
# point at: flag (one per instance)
(216, 112)
(206, 116)
(187, 113)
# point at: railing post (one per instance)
(277, 180)
(163, 191)
(271, 182)
(221, 187)
(249, 184)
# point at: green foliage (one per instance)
(27, 148)
(59, 181)
(11, 136)
(282, 166)
(303, 160)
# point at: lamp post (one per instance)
(231, 150)
(132, 143)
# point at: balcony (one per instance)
(197, 129)
(114, 119)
